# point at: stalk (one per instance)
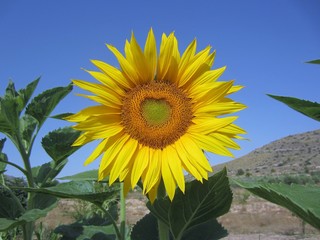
(28, 227)
(163, 229)
(122, 211)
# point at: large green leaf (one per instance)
(42, 105)
(200, 203)
(9, 208)
(84, 190)
(147, 228)
(79, 231)
(304, 201)
(310, 109)
(28, 216)
(91, 175)
(58, 143)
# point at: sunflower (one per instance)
(156, 115)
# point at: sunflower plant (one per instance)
(21, 205)
(155, 116)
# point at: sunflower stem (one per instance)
(122, 212)
(162, 227)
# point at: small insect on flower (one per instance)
(157, 114)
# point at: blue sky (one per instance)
(264, 45)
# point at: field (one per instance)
(250, 218)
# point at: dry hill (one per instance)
(298, 153)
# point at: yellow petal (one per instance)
(166, 51)
(127, 68)
(219, 108)
(152, 194)
(210, 144)
(82, 140)
(100, 90)
(187, 55)
(174, 163)
(168, 179)
(153, 170)
(139, 165)
(142, 67)
(102, 146)
(209, 77)
(113, 73)
(115, 145)
(232, 129)
(210, 93)
(196, 67)
(150, 52)
(98, 122)
(225, 140)
(195, 153)
(206, 125)
(123, 158)
(101, 100)
(186, 163)
(235, 89)
(92, 111)
(108, 82)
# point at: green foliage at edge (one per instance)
(304, 201)
(317, 61)
(308, 108)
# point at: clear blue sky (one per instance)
(264, 45)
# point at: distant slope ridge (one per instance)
(298, 153)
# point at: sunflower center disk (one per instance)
(156, 114)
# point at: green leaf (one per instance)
(317, 61)
(43, 104)
(6, 224)
(23, 95)
(58, 143)
(61, 116)
(9, 117)
(91, 175)
(83, 190)
(3, 157)
(9, 208)
(28, 126)
(211, 230)
(44, 174)
(147, 228)
(43, 201)
(28, 216)
(304, 201)
(79, 231)
(200, 203)
(310, 109)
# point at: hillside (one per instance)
(298, 153)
